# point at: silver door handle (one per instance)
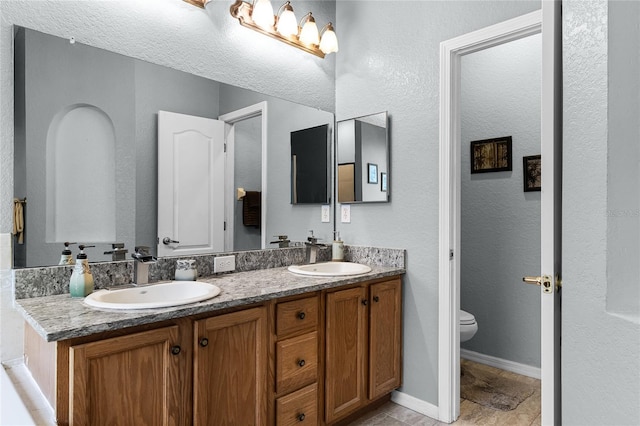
(166, 241)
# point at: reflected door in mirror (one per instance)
(309, 166)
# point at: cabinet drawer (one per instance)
(296, 315)
(298, 408)
(296, 362)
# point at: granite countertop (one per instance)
(61, 317)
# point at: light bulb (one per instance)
(287, 24)
(262, 14)
(309, 33)
(329, 41)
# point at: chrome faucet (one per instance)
(142, 259)
(312, 248)
(117, 251)
(283, 241)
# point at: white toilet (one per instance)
(468, 326)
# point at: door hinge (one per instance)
(450, 254)
(225, 147)
(225, 225)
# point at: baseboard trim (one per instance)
(415, 404)
(514, 367)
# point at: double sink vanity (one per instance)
(308, 344)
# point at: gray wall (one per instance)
(600, 351)
(500, 224)
(623, 210)
(389, 61)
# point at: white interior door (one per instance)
(551, 205)
(191, 173)
(549, 20)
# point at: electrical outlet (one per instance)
(345, 213)
(326, 214)
(224, 263)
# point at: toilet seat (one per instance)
(466, 318)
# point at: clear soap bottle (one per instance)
(81, 283)
(66, 258)
(337, 248)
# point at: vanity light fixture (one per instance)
(259, 17)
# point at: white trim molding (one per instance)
(503, 364)
(415, 404)
(449, 223)
(231, 118)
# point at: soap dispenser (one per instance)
(81, 283)
(66, 258)
(337, 248)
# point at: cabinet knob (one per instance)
(376, 299)
(175, 350)
(364, 302)
(301, 315)
(204, 342)
(301, 363)
(301, 417)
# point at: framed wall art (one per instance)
(532, 170)
(383, 182)
(491, 155)
(372, 175)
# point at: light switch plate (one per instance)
(345, 213)
(326, 214)
(224, 264)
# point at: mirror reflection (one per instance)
(362, 148)
(310, 165)
(87, 156)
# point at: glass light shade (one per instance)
(287, 23)
(329, 41)
(309, 33)
(262, 14)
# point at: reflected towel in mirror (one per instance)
(251, 208)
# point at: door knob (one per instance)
(544, 281)
(166, 241)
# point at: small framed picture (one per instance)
(491, 155)
(372, 173)
(532, 170)
(383, 182)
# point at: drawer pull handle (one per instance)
(204, 342)
(364, 302)
(301, 315)
(175, 350)
(301, 363)
(376, 299)
(301, 417)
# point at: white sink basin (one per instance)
(161, 295)
(330, 269)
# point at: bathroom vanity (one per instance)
(274, 348)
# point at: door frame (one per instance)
(231, 118)
(451, 52)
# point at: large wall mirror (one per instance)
(86, 150)
(362, 149)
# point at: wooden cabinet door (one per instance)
(385, 339)
(230, 369)
(127, 380)
(346, 339)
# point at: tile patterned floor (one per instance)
(526, 414)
